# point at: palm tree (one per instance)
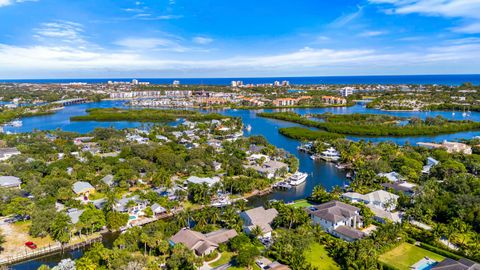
(144, 238)
(256, 231)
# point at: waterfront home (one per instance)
(136, 205)
(74, 214)
(260, 217)
(157, 209)
(450, 147)
(210, 181)
(269, 169)
(333, 100)
(381, 199)
(337, 218)
(403, 186)
(451, 264)
(392, 176)
(6, 153)
(430, 163)
(10, 182)
(202, 244)
(83, 188)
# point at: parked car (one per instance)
(31, 245)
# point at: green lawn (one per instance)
(405, 255)
(318, 257)
(301, 203)
(226, 257)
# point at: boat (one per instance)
(282, 185)
(330, 154)
(315, 157)
(248, 128)
(16, 123)
(297, 178)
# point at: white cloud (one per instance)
(27, 61)
(151, 44)
(346, 18)
(372, 33)
(202, 40)
(61, 31)
(4, 3)
(468, 10)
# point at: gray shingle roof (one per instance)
(334, 211)
(9, 181)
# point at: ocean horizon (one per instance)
(446, 79)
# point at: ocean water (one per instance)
(449, 79)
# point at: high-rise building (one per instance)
(346, 91)
(134, 81)
(176, 82)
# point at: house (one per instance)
(392, 176)
(333, 100)
(83, 188)
(450, 147)
(82, 140)
(217, 166)
(260, 217)
(337, 218)
(137, 206)
(269, 168)
(451, 264)
(157, 209)
(430, 163)
(210, 181)
(382, 215)
(137, 138)
(202, 244)
(6, 153)
(403, 186)
(10, 182)
(108, 180)
(74, 214)
(381, 199)
(266, 264)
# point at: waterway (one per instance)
(323, 173)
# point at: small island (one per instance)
(144, 115)
(376, 124)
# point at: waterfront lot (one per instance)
(319, 258)
(16, 235)
(405, 255)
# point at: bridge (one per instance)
(70, 101)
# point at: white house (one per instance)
(381, 199)
(6, 153)
(210, 181)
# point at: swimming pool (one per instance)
(424, 264)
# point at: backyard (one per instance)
(405, 255)
(319, 258)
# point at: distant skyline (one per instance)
(237, 38)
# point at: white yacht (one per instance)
(16, 123)
(297, 178)
(248, 128)
(330, 154)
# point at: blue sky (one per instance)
(234, 38)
